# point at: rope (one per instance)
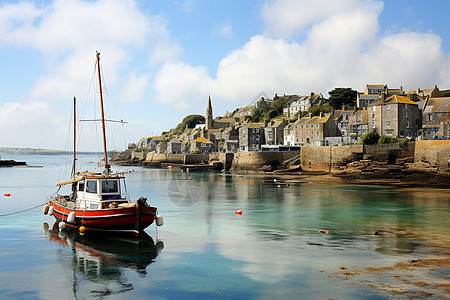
(16, 212)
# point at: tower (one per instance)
(209, 115)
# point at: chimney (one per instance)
(310, 115)
(383, 97)
(321, 114)
(343, 107)
(312, 94)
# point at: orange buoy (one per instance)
(7, 195)
(323, 231)
(239, 212)
(169, 167)
(82, 229)
(264, 181)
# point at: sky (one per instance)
(162, 59)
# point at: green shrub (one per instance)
(370, 138)
(387, 140)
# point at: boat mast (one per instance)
(107, 167)
(74, 136)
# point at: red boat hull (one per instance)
(127, 220)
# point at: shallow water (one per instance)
(205, 250)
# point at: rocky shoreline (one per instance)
(365, 172)
(12, 163)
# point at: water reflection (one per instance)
(99, 263)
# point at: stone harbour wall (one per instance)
(435, 153)
(260, 161)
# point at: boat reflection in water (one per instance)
(103, 259)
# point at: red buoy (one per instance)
(239, 212)
(190, 178)
(7, 195)
(254, 180)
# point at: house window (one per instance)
(358, 118)
(406, 113)
(343, 132)
(344, 117)
(373, 125)
(407, 124)
(388, 107)
(312, 132)
(389, 131)
(302, 140)
(373, 116)
(430, 117)
(317, 132)
(373, 108)
(388, 124)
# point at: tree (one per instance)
(370, 138)
(321, 108)
(342, 96)
(189, 122)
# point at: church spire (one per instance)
(209, 115)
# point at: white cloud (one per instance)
(226, 30)
(134, 88)
(181, 85)
(34, 123)
(342, 47)
(284, 18)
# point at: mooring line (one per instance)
(16, 212)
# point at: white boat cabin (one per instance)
(100, 192)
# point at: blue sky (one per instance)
(161, 59)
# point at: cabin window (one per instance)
(110, 186)
(81, 186)
(91, 186)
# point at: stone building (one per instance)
(312, 131)
(358, 122)
(301, 103)
(289, 135)
(274, 133)
(251, 136)
(395, 116)
(203, 145)
(174, 147)
(372, 93)
(423, 94)
(343, 122)
(436, 118)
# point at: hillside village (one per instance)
(294, 121)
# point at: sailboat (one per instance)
(98, 201)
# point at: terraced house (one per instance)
(313, 131)
(395, 116)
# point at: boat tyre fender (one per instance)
(50, 211)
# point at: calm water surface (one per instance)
(205, 250)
